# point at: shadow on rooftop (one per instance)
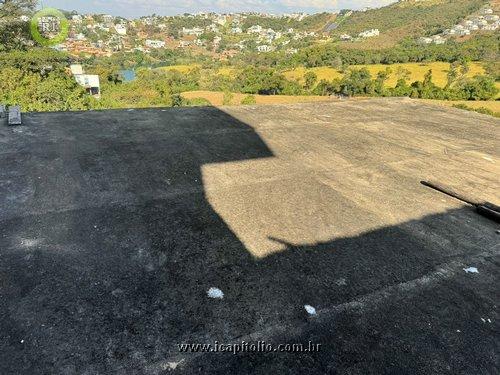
(107, 258)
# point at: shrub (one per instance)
(249, 100)
(227, 99)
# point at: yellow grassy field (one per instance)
(216, 98)
(227, 71)
(180, 68)
(417, 72)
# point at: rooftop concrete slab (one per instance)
(115, 224)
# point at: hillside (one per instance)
(406, 19)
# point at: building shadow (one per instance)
(109, 245)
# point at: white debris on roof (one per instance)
(174, 365)
(215, 293)
(310, 310)
(471, 270)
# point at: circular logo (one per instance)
(49, 27)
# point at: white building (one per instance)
(90, 82)
(491, 27)
(213, 28)
(425, 40)
(121, 29)
(107, 18)
(194, 31)
(76, 18)
(437, 39)
(256, 29)
(264, 48)
(345, 37)
(369, 33)
(236, 30)
(155, 43)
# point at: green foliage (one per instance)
(265, 81)
(479, 48)
(36, 60)
(357, 82)
(325, 87)
(478, 88)
(227, 98)
(312, 22)
(197, 102)
(257, 80)
(418, 18)
(14, 33)
(249, 100)
(35, 92)
(177, 100)
(310, 79)
(483, 110)
(402, 89)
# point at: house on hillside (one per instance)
(155, 43)
(256, 29)
(121, 29)
(264, 48)
(194, 31)
(90, 82)
(369, 33)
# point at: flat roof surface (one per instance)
(115, 224)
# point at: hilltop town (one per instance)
(224, 36)
(220, 35)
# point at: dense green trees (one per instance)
(480, 48)
(38, 81)
(14, 33)
(36, 92)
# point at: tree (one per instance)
(14, 32)
(325, 87)
(310, 79)
(382, 76)
(403, 73)
(337, 62)
(452, 75)
(357, 82)
(478, 88)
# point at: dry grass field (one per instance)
(180, 68)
